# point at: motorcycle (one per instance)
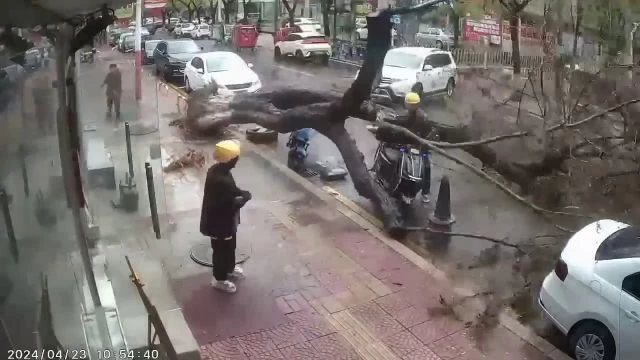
(298, 145)
(398, 168)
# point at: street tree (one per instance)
(229, 7)
(291, 10)
(325, 7)
(213, 10)
(513, 10)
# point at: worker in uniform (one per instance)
(220, 216)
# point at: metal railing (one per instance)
(157, 337)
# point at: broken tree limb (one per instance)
(592, 117)
(386, 130)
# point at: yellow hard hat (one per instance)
(226, 150)
(412, 98)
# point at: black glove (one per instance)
(246, 195)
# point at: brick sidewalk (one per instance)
(321, 287)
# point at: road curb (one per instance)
(373, 226)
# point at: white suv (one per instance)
(435, 70)
(303, 46)
(593, 294)
(201, 31)
(186, 29)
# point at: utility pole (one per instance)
(631, 64)
(138, 49)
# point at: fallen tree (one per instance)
(287, 110)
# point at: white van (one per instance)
(435, 69)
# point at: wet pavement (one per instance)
(318, 286)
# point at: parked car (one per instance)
(439, 38)
(185, 30)
(177, 29)
(128, 44)
(149, 47)
(434, 69)
(121, 39)
(310, 23)
(228, 70)
(303, 46)
(171, 57)
(593, 294)
(201, 31)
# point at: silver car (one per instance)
(435, 37)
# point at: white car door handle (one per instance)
(632, 315)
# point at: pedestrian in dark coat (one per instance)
(220, 215)
(113, 81)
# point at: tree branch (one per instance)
(386, 130)
(592, 117)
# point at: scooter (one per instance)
(298, 145)
(398, 168)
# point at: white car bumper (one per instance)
(550, 306)
(316, 52)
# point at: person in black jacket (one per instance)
(220, 215)
(414, 120)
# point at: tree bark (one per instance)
(324, 6)
(514, 24)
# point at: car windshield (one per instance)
(179, 47)
(150, 45)
(225, 62)
(402, 60)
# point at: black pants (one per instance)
(113, 101)
(224, 256)
(426, 174)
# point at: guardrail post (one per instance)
(8, 222)
(127, 134)
(152, 200)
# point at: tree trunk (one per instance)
(514, 24)
(292, 15)
(455, 19)
(576, 31)
(324, 6)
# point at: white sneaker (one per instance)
(237, 272)
(226, 286)
(425, 198)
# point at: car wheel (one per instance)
(277, 55)
(592, 341)
(451, 85)
(187, 85)
(299, 55)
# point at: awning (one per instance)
(28, 14)
(155, 4)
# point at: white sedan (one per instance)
(593, 294)
(228, 70)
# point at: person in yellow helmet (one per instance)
(416, 122)
(220, 216)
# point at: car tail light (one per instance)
(315, 41)
(561, 269)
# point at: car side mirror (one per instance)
(250, 65)
(427, 68)
(200, 70)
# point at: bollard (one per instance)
(442, 214)
(127, 134)
(152, 200)
(23, 166)
(6, 212)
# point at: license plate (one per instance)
(415, 151)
